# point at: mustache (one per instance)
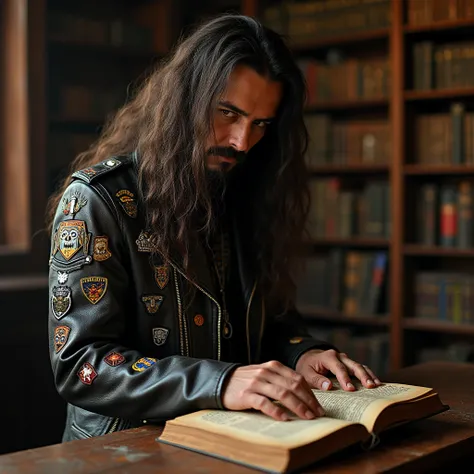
(227, 152)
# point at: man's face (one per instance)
(247, 106)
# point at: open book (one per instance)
(256, 440)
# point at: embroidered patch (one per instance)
(61, 335)
(127, 201)
(62, 277)
(152, 303)
(61, 301)
(114, 359)
(199, 320)
(162, 275)
(73, 204)
(295, 340)
(101, 250)
(89, 172)
(145, 242)
(160, 335)
(94, 288)
(70, 238)
(141, 364)
(87, 374)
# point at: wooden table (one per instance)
(433, 445)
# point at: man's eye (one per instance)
(227, 113)
(261, 124)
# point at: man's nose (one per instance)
(240, 137)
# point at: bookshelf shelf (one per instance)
(347, 104)
(440, 26)
(75, 48)
(350, 169)
(420, 170)
(425, 251)
(343, 39)
(418, 324)
(353, 242)
(321, 314)
(439, 94)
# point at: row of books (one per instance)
(345, 79)
(303, 21)
(369, 348)
(341, 142)
(114, 32)
(444, 66)
(445, 138)
(445, 214)
(454, 352)
(421, 12)
(350, 281)
(445, 296)
(80, 102)
(337, 212)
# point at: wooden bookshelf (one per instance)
(442, 170)
(347, 104)
(439, 94)
(425, 251)
(445, 25)
(322, 314)
(359, 38)
(357, 169)
(426, 325)
(353, 242)
(404, 173)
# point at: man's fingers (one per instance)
(287, 378)
(340, 371)
(320, 381)
(289, 399)
(360, 371)
(263, 404)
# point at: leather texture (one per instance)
(128, 345)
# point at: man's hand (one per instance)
(315, 364)
(257, 386)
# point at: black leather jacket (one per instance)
(127, 345)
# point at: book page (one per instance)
(365, 404)
(255, 426)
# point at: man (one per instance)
(173, 244)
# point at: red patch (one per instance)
(114, 359)
(87, 374)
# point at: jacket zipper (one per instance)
(183, 331)
(248, 320)
(219, 310)
(114, 425)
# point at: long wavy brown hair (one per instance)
(168, 120)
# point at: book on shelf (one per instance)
(256, 440)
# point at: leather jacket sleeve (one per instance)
(286, 338)
(90, 324)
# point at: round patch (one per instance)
(199, 320)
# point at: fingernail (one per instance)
(309, 415)
(377, 381)
(325, 385)
(321, 411)
(349, 385)
(370, 382)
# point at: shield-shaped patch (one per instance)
(61, 335)
(61, 301)
(114, 359)
(127, 201)
(160, 335)
(94, 288)
(87, 374)
(70, 238)
(101, 248)
(152, 303)
(145, 242)
(141, 364)
(162, 275)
